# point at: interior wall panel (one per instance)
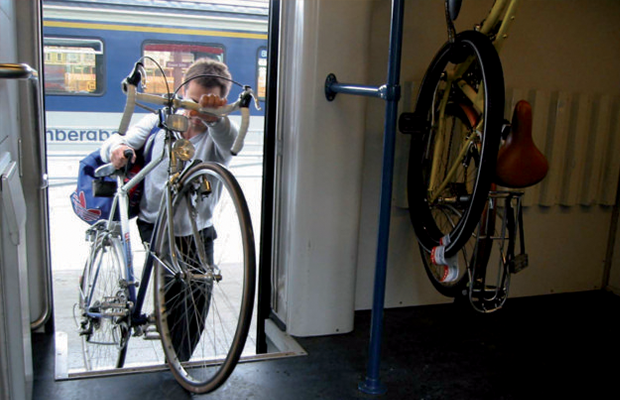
(552, 59)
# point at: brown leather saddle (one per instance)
(519, 162)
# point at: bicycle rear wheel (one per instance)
(103, 305)
(205, 280)
(452, 163)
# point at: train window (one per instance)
(261, 72)
(175, 58)
(73, 66)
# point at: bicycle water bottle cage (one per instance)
(412, 123)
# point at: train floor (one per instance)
(547, 347)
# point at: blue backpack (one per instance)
(90, 202)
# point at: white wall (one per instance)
(554, 45)
(322, 147)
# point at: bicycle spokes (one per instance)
(204, 300)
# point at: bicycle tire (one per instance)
(485, 71)
(199, 292)
(104, 340)
(475, 253)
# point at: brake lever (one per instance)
(247, 96)
(136, 74)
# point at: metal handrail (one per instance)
(25, 72)
(17, 71)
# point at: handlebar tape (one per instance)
(129, 108)
(243, 130)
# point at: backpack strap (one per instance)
(143, 157)
(148, 145)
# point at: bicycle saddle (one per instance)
(519, 162)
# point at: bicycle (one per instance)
(203, 283)
(457, 128)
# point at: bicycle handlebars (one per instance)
(132, 81)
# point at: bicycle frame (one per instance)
(120, 201)
(508, 9)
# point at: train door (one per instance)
(23, 201)
(88, 49)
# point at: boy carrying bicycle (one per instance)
(213, 138)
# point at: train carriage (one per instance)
(90, 46)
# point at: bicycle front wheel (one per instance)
(473, 256)
(205, 278)
(452, 280)
(103, 306)
(453, 156)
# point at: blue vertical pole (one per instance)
(372, 383)
(391, 93)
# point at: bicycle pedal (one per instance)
(518, 264)
(112, 310)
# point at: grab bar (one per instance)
(17, 71)
(25, 72)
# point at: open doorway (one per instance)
(89, 47)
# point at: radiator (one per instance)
(580, 136)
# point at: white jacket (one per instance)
(212, 145)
